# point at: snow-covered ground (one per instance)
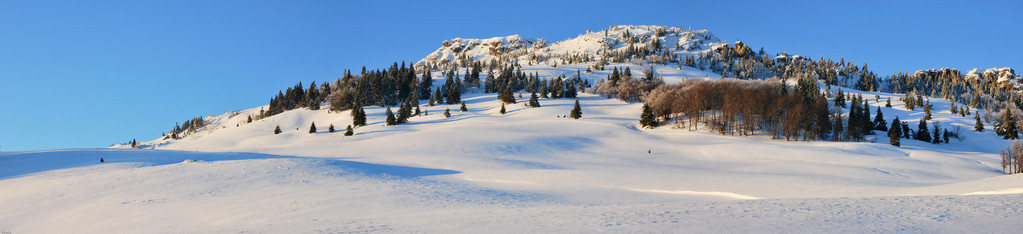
(526, 171)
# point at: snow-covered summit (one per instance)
(589, 46)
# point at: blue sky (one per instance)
(85, 74)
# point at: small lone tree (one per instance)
(463, 108)
(647, 118)
(312, 128)
(390, 117)
(927, 110)
(577, 111)
(349, 131)
(277, 130)
(922, 134)
(331, 128)
(888, 103)
(980, 124)
(534, 101)
(895, 133)
(503, 111)
(447, 113)
(879, 123)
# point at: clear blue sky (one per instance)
(83, 74)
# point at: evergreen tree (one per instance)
(404, 112)
(250, 119)
(358, 116)
(866, 124)
(1008, 126)
(922, 134)
(879, 123)
(349, 131)
(647, 119)
(577, 111)
(416, 113)
(534, 101)
(390, 117)
(980, 124)
(502, 109)
(936, 139)
(277, 130)
(895, 132)
(888, 103)
(944, 136)
(463, 109)
(840, 99)
(906, 131)
(433, 99)
(927, 110)
(447, 113)
(438, 97)
(331, 128)
(312, 128)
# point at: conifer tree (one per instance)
(358, 116)
(895, 132)
(927, 110)
(250, 119)
(980, 124)
(888, 103)
(879, 123)
(277, 130)
(349, 131)
(502, 109)
(1008, 126)
(944, 136)
(416, 113)
(534, 101)
(331, 128)
(906, 131)
(463, 108)
(438, 98)
(936, 139)
(647, 118)
(433, 98)
(447, 113)
(922, 134)
(312, 128)
(390, 117)
(577, 111)
(840, 99)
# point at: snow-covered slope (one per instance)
(529, 170)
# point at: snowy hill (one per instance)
(529, 170)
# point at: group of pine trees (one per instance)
(189, 127)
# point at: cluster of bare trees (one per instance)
(745, 107)
(1012, 158)
(623, 86)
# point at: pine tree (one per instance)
(922, 134)
(277, 130)
(312, 128)
(331, 128)
(888, 103)
(879, 123)
(895, 132)
(358, 116)
(534, 101)
(250, 119)
(944, 136)
(502, 109)
(416, 113)
(577, 111)
(927, 110)
(390, 117)
(980, 124)
(463, 109)
(840, 99)
(1008, 126)
(906, 131)
(647, 118)
(447, 113)
(936, 139)
(349, 131)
